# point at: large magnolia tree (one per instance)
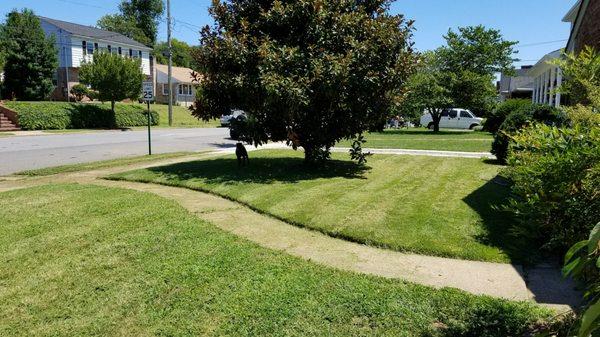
(309, 72)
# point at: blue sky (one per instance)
(528, 21)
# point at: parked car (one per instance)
(453, 119)
(226, 119)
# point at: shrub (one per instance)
(79, 91)
(556, 174)
(521, 118)
(582, 263)
(497, 117)
(62, 115)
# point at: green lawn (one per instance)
(182, 117)
(101, 164)
(431, 205)
(79, 260)
(423, 139)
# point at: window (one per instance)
(452, 114)
(90, 48)
(165, 89)
(109, 48)
(445, 113)
(120, 51)
(465, 114)
(185, 89)
(96, 46)
(140, 53)
(84, 47)
(130, 52)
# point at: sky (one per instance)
(536, 24)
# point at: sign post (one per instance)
(148, 95)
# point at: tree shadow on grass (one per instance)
(487, 201)
(260, 170)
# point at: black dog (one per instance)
(241, 154)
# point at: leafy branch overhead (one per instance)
(308, 72)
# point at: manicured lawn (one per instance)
(101, 164)
(182, 117)
(430, 205)
(80, 260)
(423, 139)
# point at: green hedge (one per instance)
(62, 115)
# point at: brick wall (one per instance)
(10, 114)
(589, 31)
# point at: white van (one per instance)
(453, 119)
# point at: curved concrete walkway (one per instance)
(543, 284)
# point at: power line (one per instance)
(540, 43)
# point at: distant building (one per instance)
(77, 43)
(183, 86)
(584, 17)
(518, 86)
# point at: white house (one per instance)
(546, 78)
(183, 85)
(77, 43)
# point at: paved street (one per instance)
(20, 153)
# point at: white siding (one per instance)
(79, 57)
(62, 41)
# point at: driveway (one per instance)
(18, 153)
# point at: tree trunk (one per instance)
(435, 118)
(112, 106)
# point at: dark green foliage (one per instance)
(121, 24)
(521, 118)
(181, 54)
(114, 77)
(356, 150)
(497, 117)
(138, 19)
(556, 174)
(62, 115)
(31, 58)
(475, 54)
(478, 50)
(79, 91)
(310, 72)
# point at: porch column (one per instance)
(551, 91)
(545, 88)
(558, 84)
(535, 90)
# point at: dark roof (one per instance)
(93, 32)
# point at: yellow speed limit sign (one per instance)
(147, 91)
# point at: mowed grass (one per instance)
(79, 260)
(182, 117)
(101, 164)
(423, 139)
(430, 205)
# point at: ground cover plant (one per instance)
(90, 260)
(63, 115)
(423, 139)
(431, 205)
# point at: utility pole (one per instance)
(170, 79)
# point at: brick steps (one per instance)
(6, 124)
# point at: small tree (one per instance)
(429, 89)
(31, 58)
(79, 91)
(114, 77)
(582, 75)
(307, 72)
(475, 54)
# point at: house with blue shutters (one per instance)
(77, 43)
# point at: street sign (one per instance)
(147, 91)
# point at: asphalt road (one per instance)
(18, 153)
